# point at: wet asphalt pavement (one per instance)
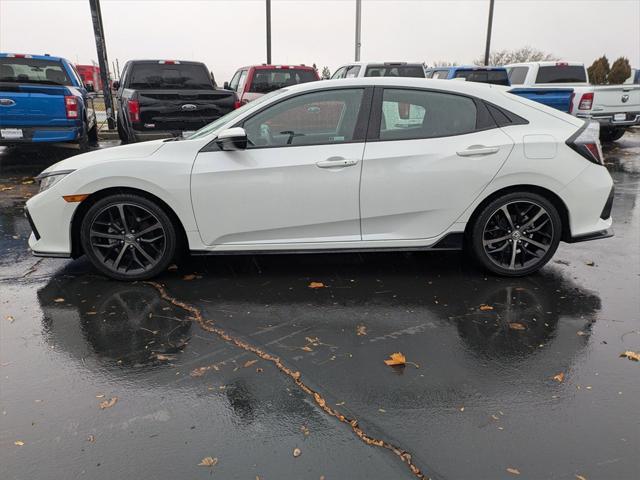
(478, 400)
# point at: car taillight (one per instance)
(586, 142)
(237, 104)
(586, 101)
(71, 106)
(134, 110)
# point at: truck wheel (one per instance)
(611, 134)
(516, 234)
(128, 237)
(83, 141)
(93, 134)
(121, 133)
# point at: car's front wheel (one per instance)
(516, 234)
(128, 237)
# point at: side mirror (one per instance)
(226, 85)
(89, 87)
(116, 85)
(232, 139)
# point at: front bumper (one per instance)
(50, 219)
(608, 119)
(42, 135)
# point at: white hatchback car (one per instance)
(363, 164)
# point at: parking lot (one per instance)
(240, 359)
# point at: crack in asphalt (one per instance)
(210, 327)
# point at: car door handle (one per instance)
(336, 162)
(477, 151)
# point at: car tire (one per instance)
(93, 134)
(128, 237)
(515, 234)
(83, 141)
(121, 133)
(611, 134)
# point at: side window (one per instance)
(428, 74)
(242, 79)
(233, 85)
(410, 114)
(315, 118)
(443, 74)
(517, 75)
(352, 71)
(339, 73)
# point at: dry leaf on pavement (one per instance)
(317, 285)
(635, 356)
(108, 403)
(485, 307)
(396, 359)
(9, 318)
(517, 326)
(190, 276)
(559, 377)
(248, 363)
(296, 452)
(513, 471)
(18, 443)
(58, 300)
(208, 462)
(580, 477)
(361, 330)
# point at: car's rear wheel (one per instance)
(121, 132)
(128, 237)
(516, 234)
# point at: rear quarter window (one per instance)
(169, 76)
(517, 75)
(267, 80)
(415, 71)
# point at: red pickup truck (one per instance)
(254, 81)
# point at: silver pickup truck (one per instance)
(615, 107)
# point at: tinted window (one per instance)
(339, 73)
(561, 74)
(395, 71)
(169, 76)
(311, 119)
(441, 74)
(410, 114)
(268, 80)
(496, 77)
(517, 75)
(30, 70)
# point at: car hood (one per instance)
(123, 152)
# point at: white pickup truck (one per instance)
(565, 86)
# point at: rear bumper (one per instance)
(42, 135)
(608, 119)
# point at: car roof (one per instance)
(394, 64)
(158, 60)
(546, 64)
(467, 67)
(28, 55)
(264, 66)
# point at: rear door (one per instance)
(418, 177)
(298, 180)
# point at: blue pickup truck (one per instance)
(43, 100)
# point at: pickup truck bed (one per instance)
(558, 98)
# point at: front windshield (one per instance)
(215, 125)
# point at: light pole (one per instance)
(358, 27)
(268, 32)
(101, 47)
(489, 26)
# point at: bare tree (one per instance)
(326, 73)
(444, 63)
(524, 54)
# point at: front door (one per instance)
(298, 180)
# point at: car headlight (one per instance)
(49, 179)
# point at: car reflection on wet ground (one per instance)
(477, 398)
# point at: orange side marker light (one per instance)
(75, 198)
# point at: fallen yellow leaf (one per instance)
(18, 443)
(58, 300)
(108, 403)
(580, 477)
(296, 452)
(190, 276)
(513, 471)
(306, 348)
(484, 307)
(635, 356)
(248, 363)
(316, 285)
(517, 326)
(361, 330)
(559, 377)
(208, 462)
(396, 359)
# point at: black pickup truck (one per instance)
(167, 98)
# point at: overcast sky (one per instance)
(229, 34)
